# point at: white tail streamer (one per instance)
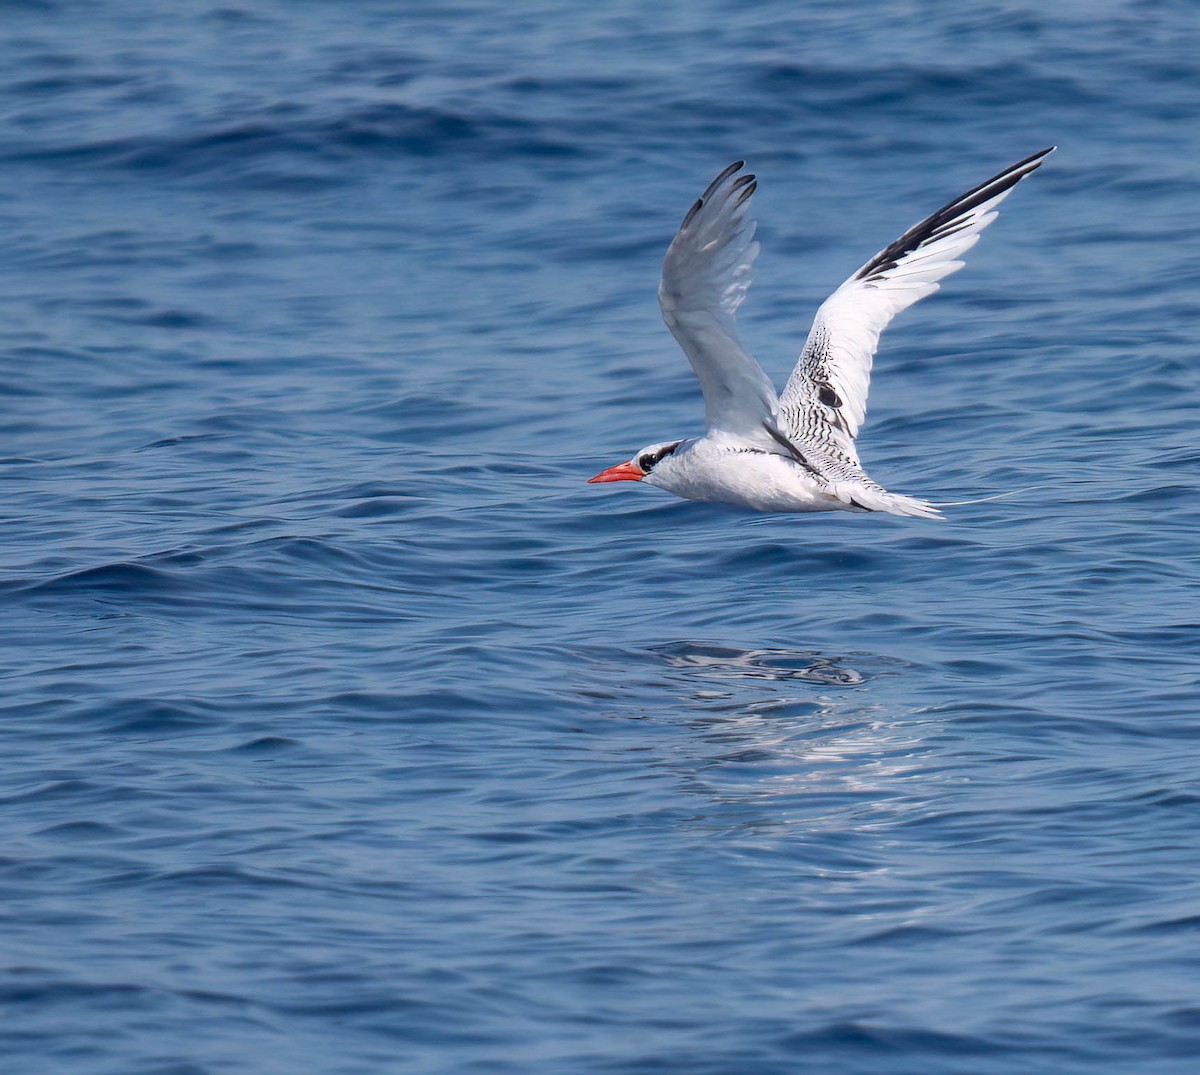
(985, 499)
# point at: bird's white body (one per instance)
(795, 451)
(724, 470)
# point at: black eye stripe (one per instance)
(648, 462)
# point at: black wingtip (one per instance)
(746, 194)
(744, 181)
(944, 221)
(741, 181)
(733, 169)
(1034, 159)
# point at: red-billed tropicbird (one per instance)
(794, 451)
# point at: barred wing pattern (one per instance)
(825, 400)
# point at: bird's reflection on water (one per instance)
(808, 666)
(789, 736)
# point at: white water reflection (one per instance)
(792, 736)
(777, 664)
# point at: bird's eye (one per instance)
(651, 459)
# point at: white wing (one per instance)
(705, 276)
(825, 399)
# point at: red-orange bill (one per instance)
(622, 472)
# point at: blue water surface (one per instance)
(347, 730)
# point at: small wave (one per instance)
(123, 577)
(909, 86)
(289, 145)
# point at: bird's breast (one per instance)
(744, 476)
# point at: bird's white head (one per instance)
(641, 466)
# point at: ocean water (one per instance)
(345, 729)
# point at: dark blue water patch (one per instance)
(905, 86)
(287, 148)
(266, 745)
(142, 717)
(378, 506)
(111, 578)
